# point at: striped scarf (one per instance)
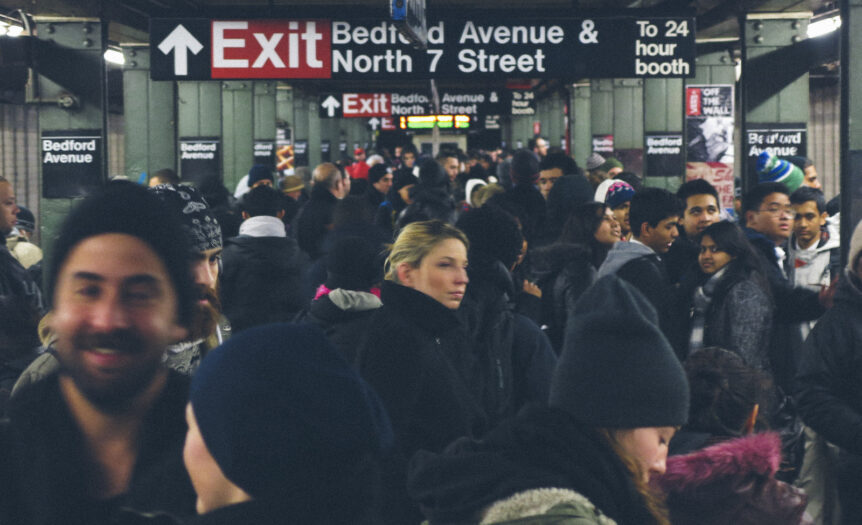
(700, 304)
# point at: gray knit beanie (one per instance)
(617, 370)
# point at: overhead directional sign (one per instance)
(354, 105)
(458, 102)
(330, 105)
(469, 46)
(181, 42)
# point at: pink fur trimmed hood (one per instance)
(732, 482)
(755, 454)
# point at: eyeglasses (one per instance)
(777, 209)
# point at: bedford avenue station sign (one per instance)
(598, 47)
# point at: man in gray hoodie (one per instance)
(654, 218)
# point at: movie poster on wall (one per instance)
(709, 116)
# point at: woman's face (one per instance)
(711, 258)
(608, 231)
(648, 446)
(442, 274)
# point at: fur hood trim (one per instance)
(758, 454)
(536, 502)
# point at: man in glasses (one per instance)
(768, 217)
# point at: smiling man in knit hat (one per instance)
(106, 431)
(827, 383)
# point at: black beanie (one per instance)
(123, 207)
(616, 369)
(376, 172)
(280, 410)
(525, 167)
(353, 264)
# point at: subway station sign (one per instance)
(569, 48)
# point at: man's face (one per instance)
(547, 178)
(115, 312)
(811, 178)
(384, 183)
(541, 147)
(8, 209)
(773, 217)
(408, 159)
(451, 166)
(700, 211)
(360, 157)
(662, 236)
(807, 222)
(621, 214)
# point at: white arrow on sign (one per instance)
(374, 122)
(330, 105)
(181, 42)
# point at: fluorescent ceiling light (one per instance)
(14, 31)
(823, 26)
(114, 56)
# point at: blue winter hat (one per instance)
(616, 369)
(772, 169)
(257, 173)
(280, 410)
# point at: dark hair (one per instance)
(696, 187)
(724, 390)
(492, 232)
(166, 176)
(525, 166)
(559, 160)
(651, 206)
(262, 200)
(807, 193)
(353, 210)
(729, 238)
(131, 209)
(581, 227)
(631, 178)
(752, 200)
(532, 142)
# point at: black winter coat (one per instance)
(563, 271)
(515, 358)
(792, 306)
(42, 461)
(314, 220)
(418, 358)
(829, 380)
(739, 317)
(262, 280)
(345, 327)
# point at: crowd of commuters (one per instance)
(494, 337)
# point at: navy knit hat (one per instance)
(280, 410)
(193, 212)
(376, 172)
(130, 209)
(616, 369)
(259, 172)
